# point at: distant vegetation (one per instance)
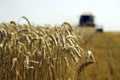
(106, 49)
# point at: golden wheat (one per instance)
(46, 52)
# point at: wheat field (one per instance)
(65, 52)
(29, 52)
(106, 49)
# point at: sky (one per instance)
(55, 12)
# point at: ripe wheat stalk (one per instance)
(43, 49)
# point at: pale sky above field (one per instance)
(106, 12)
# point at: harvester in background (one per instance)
(88, 20)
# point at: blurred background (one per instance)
(55, 12)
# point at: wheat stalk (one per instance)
(14, 23)
(74, 49)
(66, 60)
(90, 55)
(13, 62)
(54, 39)
(66, 23)
(26, 20)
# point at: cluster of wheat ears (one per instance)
(30, 52)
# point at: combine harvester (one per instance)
(88, 20)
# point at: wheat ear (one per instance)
(13, 62)
(26, 20)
